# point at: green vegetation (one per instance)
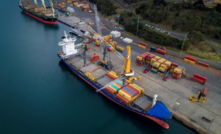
(132, 1)
(204, 51)
(130, 23)
(106, 7)
(184, 16)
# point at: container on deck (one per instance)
(129, 91)
(111, 90)
(134, 90)
(125, 95)
(122, 99)
(140, 89)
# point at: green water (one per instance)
(39, 95)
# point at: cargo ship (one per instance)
(116, 88)
(40, 13)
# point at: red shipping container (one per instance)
(110, 90)
(190, 58)
(174, 64)
(143, 44)
(144, 55)
(163, 52)
(132, 89)
(121, 98)
(138, 64)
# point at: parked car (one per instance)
(167, 33)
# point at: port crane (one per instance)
(105, 62)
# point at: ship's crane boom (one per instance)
(106, 43)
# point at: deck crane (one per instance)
(104, 44)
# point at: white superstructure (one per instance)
(68, 46)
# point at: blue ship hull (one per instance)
(148, 114)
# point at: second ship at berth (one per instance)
(124, 92)
(40, 13)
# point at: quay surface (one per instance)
(174, 93)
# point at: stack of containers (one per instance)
(75, 3)
(85, 7)
(190, 60)
(142, 45)
(129, 93)
(178, 72)
(148, 58)
(156, 65)
(161, 51)
(112, 75)
(140, 60)
(154, 59)
(173, 66)
(61, 6)
(164, 67)
(114, 88)
(161, 60)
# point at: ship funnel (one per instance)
(154, 99)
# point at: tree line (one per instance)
(130, 23)
(106, 7)
(196, 18)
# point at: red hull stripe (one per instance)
(158, 121)
(47, 22)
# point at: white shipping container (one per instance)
(115, 34)
(127, 40)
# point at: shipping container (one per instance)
(161, 60)
(125, 95)
(153, 49)
(134, 90)
(122, 99)
(111, 90)
(154, 59)
(129, 91)
(141, 90)
(160, 51)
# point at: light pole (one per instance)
(183, 45)
(137, 25)
(118, 19)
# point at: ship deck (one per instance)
(142, 103)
